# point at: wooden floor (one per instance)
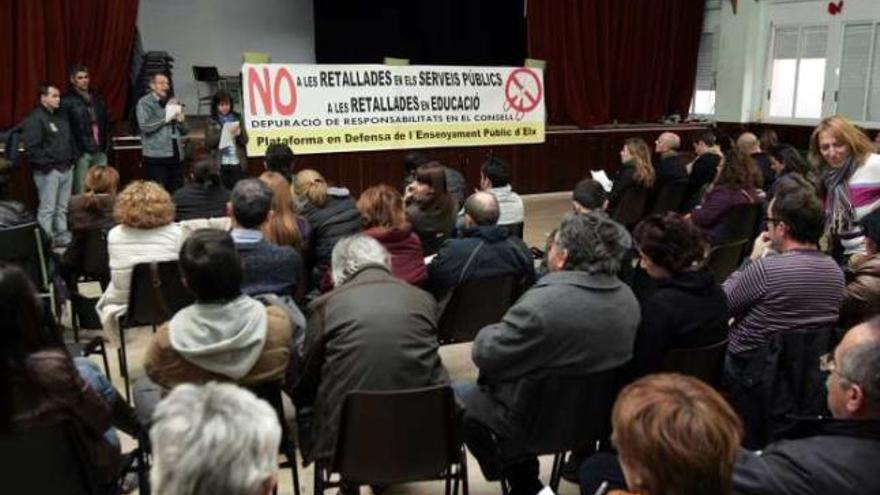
(543, 213)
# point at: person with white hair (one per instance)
(215, 439)
(372, 332)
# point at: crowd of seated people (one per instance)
(305, 284)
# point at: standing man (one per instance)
(161, 133)
(46, 135)
(87, 113)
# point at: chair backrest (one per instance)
(670, 197)
(95, 258)
(516, 228)
(631, 207)
(22, 245)
(431, 241)
(156, 294)
(725, 258)
(704, 362)
(392, 437)
(567, 411)
(204, 73)
(45, 459)
(271, 393)
(469, 309)
(739, 224)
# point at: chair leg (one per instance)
(463, 472)
(319, 478)
(556, 470)
(74, 317)
(290, 452)
(123, 364)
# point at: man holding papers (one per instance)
(162, 125)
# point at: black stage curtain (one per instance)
(439, 32)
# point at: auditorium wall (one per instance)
(216, 32)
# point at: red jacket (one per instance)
(407, 258)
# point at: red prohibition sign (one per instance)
(521, 98)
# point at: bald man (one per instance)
(748, 144)
(668, 164)
(485, 250)
(820, 455)
(829, 455)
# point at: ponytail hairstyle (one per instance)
(100, 180)
(312, 186)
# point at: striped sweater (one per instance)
(798, 289)
(864, 194)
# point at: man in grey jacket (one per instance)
(161, 133)
(578, 318)
(49, 144)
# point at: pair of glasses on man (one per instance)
(827, 364)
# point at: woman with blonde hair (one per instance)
(284, 227)
(674, 435)
(636, 171)
(384, 219)
(851, 180)
(145, 233)
(332, 214)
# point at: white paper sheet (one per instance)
(602, 178)
(171, 110)
(227, 135)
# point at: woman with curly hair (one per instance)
(384, 219)
(851, 180)
(145, 233)
(738, 183)
(688, 309)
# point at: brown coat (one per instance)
(168, 368)
(862, 298)
(50, 389)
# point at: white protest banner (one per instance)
(339, 108)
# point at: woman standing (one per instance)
(851, 182)
(232, 159)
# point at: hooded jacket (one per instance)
(407, 258)
(862, 298)
(241, 341)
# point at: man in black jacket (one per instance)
(46, 136)
(87, 113)
(703, 169)
(485, 250)
(826, 455)
(669, 167)
(819, 455)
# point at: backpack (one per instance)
(13, 139)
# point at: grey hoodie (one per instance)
(222, 338)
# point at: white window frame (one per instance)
(873, 58)
(768, 74)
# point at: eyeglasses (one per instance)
(828, 365)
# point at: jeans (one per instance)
(85, 162)
(53, 189)
(92, 375)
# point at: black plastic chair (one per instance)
(704, 362)
(46, 459)
(566, 412)
(271, 393)
(93, 265)
(22, 245)
(401, 436)
(724, 259)
(516, 228)
(739, 223)
(475, 304)
(631, 207)
(156, 294)
(669, 198)
(732, 245)
(431, 241)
